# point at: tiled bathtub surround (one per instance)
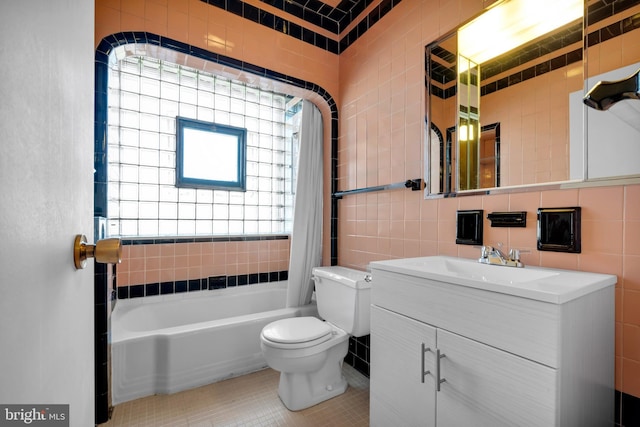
(206, 283)
(152, 267)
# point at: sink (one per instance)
(475, 270)
(543, 284)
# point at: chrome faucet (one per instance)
(491, 255)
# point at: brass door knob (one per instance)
(104, 251)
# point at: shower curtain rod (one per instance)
(414, 184)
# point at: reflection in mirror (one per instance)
(490, 156)
(526, 90)
(468, 171)
(441, 151)
(613, 132)
(488, 173)
(441, 66)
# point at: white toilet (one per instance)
(309, 352)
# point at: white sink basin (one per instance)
(478, 271)
(543, 284)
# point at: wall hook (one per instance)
(104, 251)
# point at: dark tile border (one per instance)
(376, 14)
(332, 19)
(533, 71)
(358, 355)
(334, 22)
(616, 29)
(206, 239)
(337, 19)
(196, 285)
(281, 25)
(627, 410)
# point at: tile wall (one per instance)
(381, 97)
(162, 266)
(220, 32)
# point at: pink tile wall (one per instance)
(378, 85)
(534, 125)
(142, 264)
(399, 224)
(211, 28)
(616, 52)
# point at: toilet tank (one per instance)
(344, 297)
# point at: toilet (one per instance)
(308, 351)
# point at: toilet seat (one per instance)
(296, 332)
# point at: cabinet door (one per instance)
(485, 386)
(399, 397)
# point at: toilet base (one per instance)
(302, 390)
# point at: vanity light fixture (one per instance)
(466, 133)
(513, 23)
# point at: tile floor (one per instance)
(249, 400)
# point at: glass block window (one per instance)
(145, 97)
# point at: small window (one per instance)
(210, 155)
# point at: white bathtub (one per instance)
(165, 344)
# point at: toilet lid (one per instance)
(297, 330)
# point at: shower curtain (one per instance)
(306, 239)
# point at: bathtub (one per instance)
(164, 344)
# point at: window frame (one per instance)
(240, 184)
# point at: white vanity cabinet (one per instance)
(398, 396)
(452, 351)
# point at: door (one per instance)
(488, 387)
(398, 395)
(46, 176)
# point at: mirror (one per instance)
(502, 119)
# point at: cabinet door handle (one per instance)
(439, 380)
(424, 351)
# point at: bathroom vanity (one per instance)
(459, 343)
